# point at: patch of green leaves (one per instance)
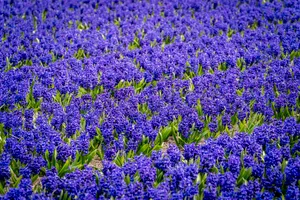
(69, 165)
(2, 187)
(135, 44)
(283, 112)
(230, 32)
(2, 138)
(4, 37)
(240, 91)
(167, 41)
(123, 84)
(64, 195)
(20, 64)
(189, 74)
(81, 54)
(201, 180)
(294, 54)
(44, 15)
(159, 177)
(120, 159)
(248, 125)
(144, 147)
(222, 67)
(138, 87)
(253, 26)
(143, 108)
(15, 178)
(117, 21)
(244, 176)
(82, 26)
(241, 64)
(32, 103)
(63, 99)
(93, 92)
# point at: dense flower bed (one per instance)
(171, 99)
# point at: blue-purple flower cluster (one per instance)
(131, 99)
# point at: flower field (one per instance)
(150, 99)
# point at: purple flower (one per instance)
(292, 171)
(210, 193)
(4, 166)
(158, 193)
(292, 192)
(189, 151)
(162, 163)
(234, 164)
(290, 126)
(273, 180)
(52, 183)
(213, 126)
(63, 152)
(212, 180)
(134, 190)
(273, 156)
(227, 182)
(174, 154)
(24, 191)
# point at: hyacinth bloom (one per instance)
(168, 99)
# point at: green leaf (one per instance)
(240, 92)
(222, 67)
(247, 173)
(176, 140)
(65, 196)
(157, 147)
(144, 148)
(222, 169)
(65, 168)
(283, 165)
(199, 108)
(166, 133)
(100, 153)
(15, 180)
(127, 179)
(34, 178)
(243, 176)
(181, 141)
(61, 195)
(130, 154)
(57, 97)
(198, 179)
(200, 71)
(47, 159)
(90, 156)
(158, 139)
(215, 170)
(2, 191)
(137, 176)
(160, 176)
(82, 123)
(134, 44)
(82, 91)
(120, 85)
(54, 155)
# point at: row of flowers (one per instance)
(262, 165)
